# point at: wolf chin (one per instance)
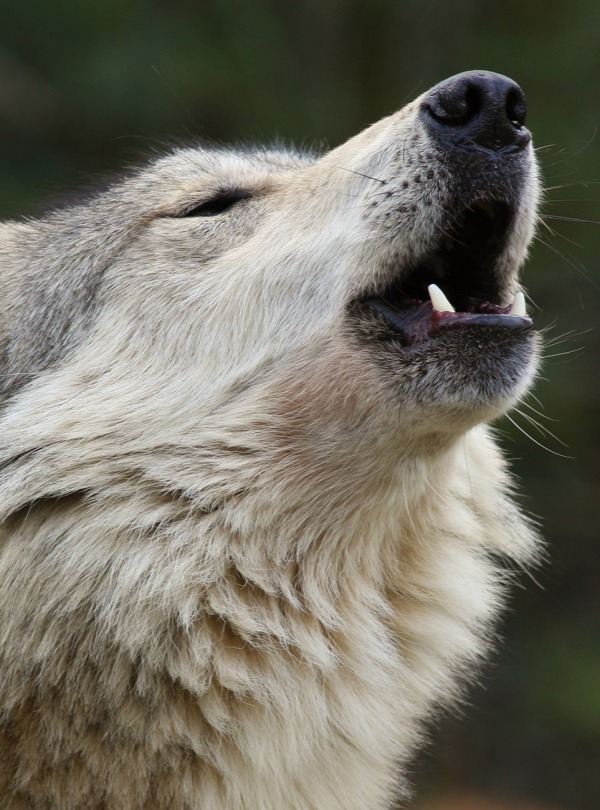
(252, 519)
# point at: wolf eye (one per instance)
(218, 204)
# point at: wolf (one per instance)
(254, 524)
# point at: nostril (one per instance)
(516, 108)
(456, 105)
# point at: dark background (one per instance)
(89, 87)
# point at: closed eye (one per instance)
(218, 204)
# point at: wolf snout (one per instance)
(477, 109)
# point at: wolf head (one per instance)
(242, 464)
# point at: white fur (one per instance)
(279, 566)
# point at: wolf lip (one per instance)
(421, 322)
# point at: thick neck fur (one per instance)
(306, 615)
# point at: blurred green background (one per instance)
(89, 86)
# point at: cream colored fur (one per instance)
(239, 568)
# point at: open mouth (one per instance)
(455, 286)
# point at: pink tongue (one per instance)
(481, 309)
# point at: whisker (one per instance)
(361, 174)
(572, 219)
(557, 340)
(576, 184)
(564, 354)
(539, 413)
(542, 429)
(558, 200)
(571, 262)
(558, 234)
(585, 145)
(535, 441)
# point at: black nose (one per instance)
(477, 108)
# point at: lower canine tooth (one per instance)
(439, 300)
(518, 306)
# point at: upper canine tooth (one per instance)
(439, 300)
(518, 306)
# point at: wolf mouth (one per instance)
(456, 285)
